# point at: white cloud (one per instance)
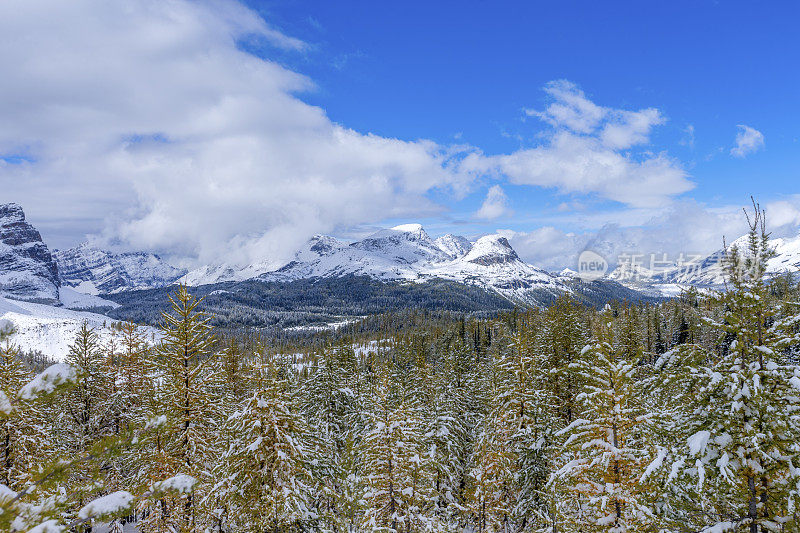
(591, 150)
(146, 118)
(748, 140)
(684, 227)
(495, 205)
(688, 139)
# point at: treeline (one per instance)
(677, 417)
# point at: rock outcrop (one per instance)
(27, 268)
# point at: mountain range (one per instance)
(402, 254)
(703, 272)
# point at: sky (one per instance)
(222, 131)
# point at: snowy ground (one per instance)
(326, 327)
(49, 329)
(74, 299)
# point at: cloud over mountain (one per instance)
(150, 120)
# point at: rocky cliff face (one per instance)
(27, 269)
(95, 271)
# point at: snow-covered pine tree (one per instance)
(18, 427)
(87, 402)
(331, 400)
(740, 426)
(447, 416)
(268, 468)
(395, 468)
(529, 409)
(185, 418)
(562, 337)
(608, 456)
(491, 493)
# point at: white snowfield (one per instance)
(74, 299)
(51, 330)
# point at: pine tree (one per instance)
(394, 464)
(87, 403)
(492, 495)
(184, 441)
(740, 406)
(609, 456)
(18, 427)
(562, 337)
(268, 468)
(331, 400)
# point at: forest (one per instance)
(673, 416)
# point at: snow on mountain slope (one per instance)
(406, 244)
(50, 329)
(493, 264)
(27, 269)
(397, 253)
(91, 270)
(454, 245)
(407, 253)
(72, 299)
(705, 273)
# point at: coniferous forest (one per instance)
(680, 416)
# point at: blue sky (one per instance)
(464, 71)
(338, 117)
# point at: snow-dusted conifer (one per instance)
(268, 468)
(609, 456)
(737, 459)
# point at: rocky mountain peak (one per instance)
(27, 269)
(491, 250)
(454, 245)
(93, 270)
(405, 244)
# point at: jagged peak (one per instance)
(12, 210)
(454, 245)
(491, 249)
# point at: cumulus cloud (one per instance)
(148, 119)
(748, 140)
(592, 150)
(495, 205)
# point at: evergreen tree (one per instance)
(18, 426)
(182, 444)
(609, 455)
(395, 469)
(740, 406)
(268, 468)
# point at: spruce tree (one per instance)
(740, 404)
(268, 468)
(183, 442)
(609, 456)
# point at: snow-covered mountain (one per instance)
(706, 272)
(91, 270)
(27, 268)
(408, 254)
(454, 245)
